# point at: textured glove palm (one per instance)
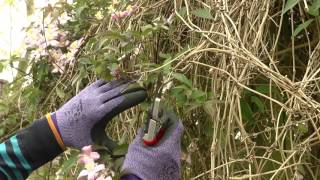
(93, 107)
(159, 162)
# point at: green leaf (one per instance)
(90, 44)
(60, 93)
(202, 13)
(182, 88)
(302, 27)
(247, 93)
(152, 78)
(264, 89)
(258, 102)
(113, 35)
(84, 61)
(289, 5)
(183, 79)
(166, 69)
(314, 8)
(68, 164)
(207, 107)
(145, 106)
(246, 111)
(199, 96)
(302, 128)
(208, 128)
(147, 29)
(120, 150)
(183, 11)
(181, 99)
(103, 71)
(102, 42)
(117, 164)
(178, 93)
(4, 109)
(32, 94)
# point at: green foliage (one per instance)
(121, 150)
(289, 5)
(256, 100)
(187, 96)
(302, 27)
(183, 79)
(314, 8)
(302, 128)
(202, 13)
(69, 163)
(4, 109)
(246, 111)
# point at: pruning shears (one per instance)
(157, 122)
(155, 126)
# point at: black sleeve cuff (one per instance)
(38, 143)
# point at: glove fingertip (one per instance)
(99, 82)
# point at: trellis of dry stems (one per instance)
(226, 55)
(234, 48)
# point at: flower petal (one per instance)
(83, 173)
(99, 167)
(86, 150)
(85, 159)
(94, 155)
(91, 175)
(108, 178)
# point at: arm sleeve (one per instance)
(29, 149)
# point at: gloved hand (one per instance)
(85, 116)
(158, 162)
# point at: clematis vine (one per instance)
(45, 38)
(93, 170)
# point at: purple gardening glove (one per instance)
(86, 115)
(159, 162)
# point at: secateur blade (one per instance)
(157, 120)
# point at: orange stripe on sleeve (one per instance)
(55, 132)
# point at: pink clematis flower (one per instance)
(88, 158)
(91, 174)
(114, 16)
(118, 15)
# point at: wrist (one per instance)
(52, 121)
